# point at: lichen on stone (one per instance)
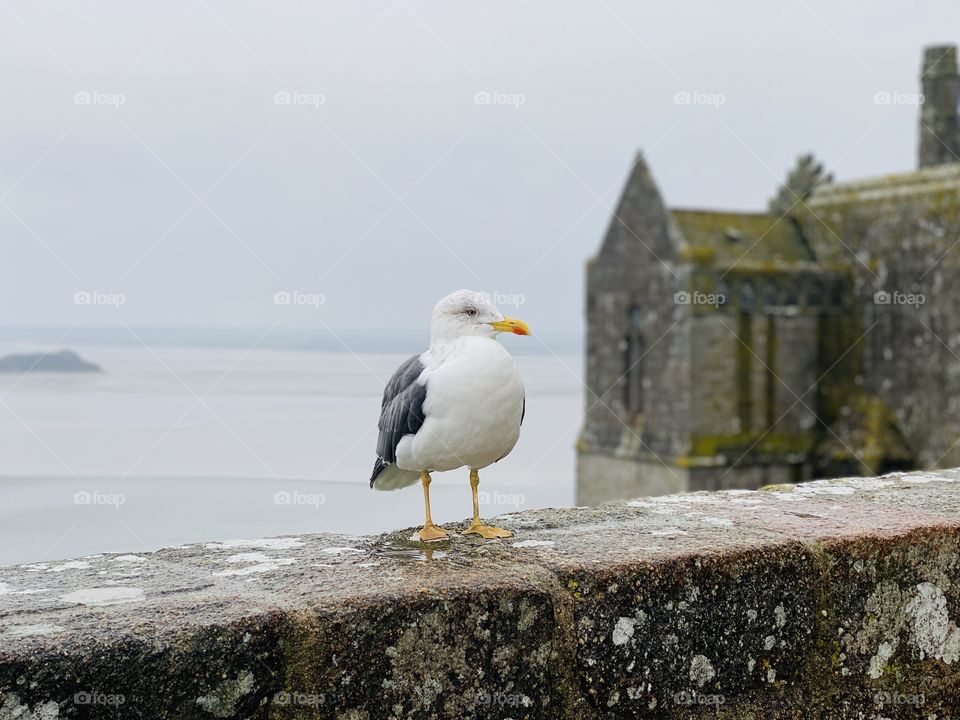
(222, 701)
(701, 670)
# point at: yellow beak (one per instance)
(511, 325)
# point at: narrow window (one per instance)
(633, 374)
(770, 362)
(634, 350)
(744, 370)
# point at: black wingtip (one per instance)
(378, 467)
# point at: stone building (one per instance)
(818, 339)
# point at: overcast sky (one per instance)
(147, 154)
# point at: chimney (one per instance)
(939, 127)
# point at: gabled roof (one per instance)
(726, 238)
(640, 226)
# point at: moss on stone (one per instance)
(771, 443)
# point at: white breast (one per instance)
(473, 408)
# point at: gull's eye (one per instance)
(470, 312)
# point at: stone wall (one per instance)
(900, 234)
(832, 599)
(625, 477)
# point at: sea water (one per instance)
(179, 445)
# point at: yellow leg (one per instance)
(429, 530)
(477, 527)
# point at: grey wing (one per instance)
(401, 411)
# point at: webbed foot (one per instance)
(432, 532)
(486, 531)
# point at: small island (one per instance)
(63, 361)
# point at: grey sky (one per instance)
(399, 188)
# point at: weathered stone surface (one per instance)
(827, 600)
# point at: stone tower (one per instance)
(939, 127)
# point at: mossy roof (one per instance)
(728, 238)
(837, 216)
(930, 181)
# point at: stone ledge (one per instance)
(833, 599)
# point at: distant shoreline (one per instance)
(53, 361)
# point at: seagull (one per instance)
(458, 404)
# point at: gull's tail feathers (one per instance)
(387, 476)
